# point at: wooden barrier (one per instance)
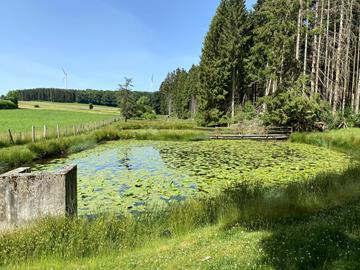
(271, 133)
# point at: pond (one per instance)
(134, 175)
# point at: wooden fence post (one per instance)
(33, 134)
(58, 131)
(45, 131)
(11, 137)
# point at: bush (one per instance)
(7, 105)
(13, 97)
(296, 109)
(36, 106)
(356, 120)
(91, 106)
(246, 112)
(149, 116)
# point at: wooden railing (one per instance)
(270, 133)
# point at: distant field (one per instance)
(73, 107)
(51, 114)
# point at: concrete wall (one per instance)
(26, 196)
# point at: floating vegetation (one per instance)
(133, 175)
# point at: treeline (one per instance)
(179, 91)
(310, 48)
(88, 96)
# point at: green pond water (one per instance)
(134, 175)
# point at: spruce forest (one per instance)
(301, 54)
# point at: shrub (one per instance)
(91, 106)
(296, 109)
(149, 116)
(7, 105)
(246, 112)
(36, 106)
(13, 97)
(356, 120)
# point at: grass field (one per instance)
(73, 107)
(51, 114)
(23, 119)
(67, 116)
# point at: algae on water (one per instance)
(132, 175)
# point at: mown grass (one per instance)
(15, 156)
(23, 119)
(69, 107)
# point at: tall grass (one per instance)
(346, 140)
(250, 204)
(168, 123)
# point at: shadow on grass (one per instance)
(331, 240)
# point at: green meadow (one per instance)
(70, 107)
(23, 119)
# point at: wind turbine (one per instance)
(152, 82)
(65, 77)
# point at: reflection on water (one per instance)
(123, 175)
(133, 175)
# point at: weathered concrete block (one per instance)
(26, 196)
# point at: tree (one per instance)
(292, 108)
(221, 64)
(13, 97)
(143, 106)
(233, 41)
(125, 100)
(191, 90)
(174, 98)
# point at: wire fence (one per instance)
(37, 133)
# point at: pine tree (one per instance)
(271, 63)
(125, 99)
(221, 66)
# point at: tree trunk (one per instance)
(233, 95)
(327, 62)
(357, 92)
(299, 25)
(314, 47)
(170, 105)
(306, 45)
(317, 76)
(338, 59)
(347, 68)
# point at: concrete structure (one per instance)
(26, 196)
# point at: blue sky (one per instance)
(98, 42)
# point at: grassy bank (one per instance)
(251, 208)
(16, 156)
(345, 140)
(328, 240)
(308, 225)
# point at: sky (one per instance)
(99, 42)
